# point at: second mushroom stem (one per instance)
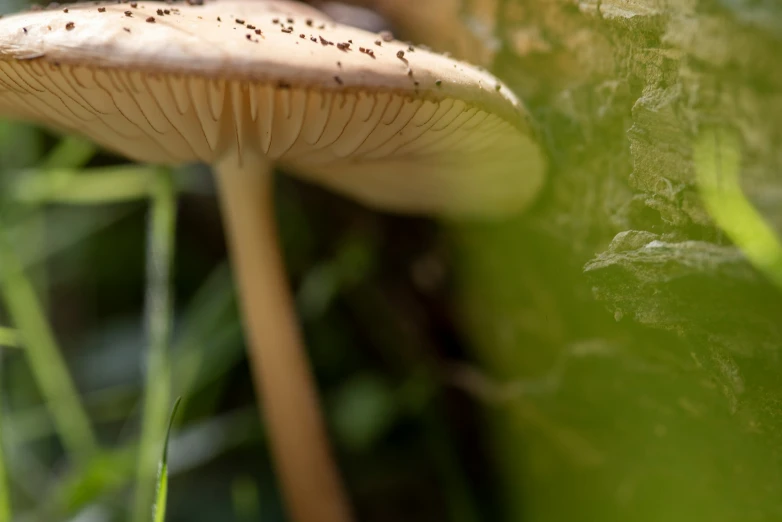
(308, 474)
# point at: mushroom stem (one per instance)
(310, 480)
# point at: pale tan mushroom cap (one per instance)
(419, 133)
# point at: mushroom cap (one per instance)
(394, 126)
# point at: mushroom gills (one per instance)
(352, 142)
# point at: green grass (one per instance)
(717, 154)
(161, 484)
(106, 314)
(9, 338)
(95, 284)
(5, 489)
(41, 349)
(160, 253)
(97, 443)
(29, 238)
(60, 179)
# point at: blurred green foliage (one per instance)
(89, 365)
(555, 410)
(718, 166)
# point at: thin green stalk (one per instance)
(158, 322)
(9, 338)
(717, 155)
(5, 490)
(43, 354)
(71, 152)
(161, 496)
(97, 186)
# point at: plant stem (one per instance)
(75, 186)
(5, 487)
(717, 155)
(43, 354)
(158, 312)
(9, 338)
(309, 476)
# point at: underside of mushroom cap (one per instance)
(397, 127)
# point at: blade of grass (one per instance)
(200, 443)
(9, 338)
(5, 490)
(98, 186)
(71, 151)
(43, 354)
(717, 155)
(159, 509)
(158, 322)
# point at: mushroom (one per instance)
(235, 85)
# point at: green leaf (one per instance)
(43, 353)
(717, 154)
(159, 510)
(158, 312)
(9, 338)
(5, 489)
(98, 186)
(71, 152)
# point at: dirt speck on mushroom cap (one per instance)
(189, 87)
